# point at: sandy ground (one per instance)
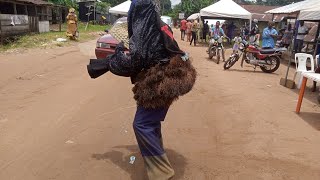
(57, 123)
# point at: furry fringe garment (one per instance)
(161, 85)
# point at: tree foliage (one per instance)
(165, 6)
(276, 2)
(103, 7)
(189, 7)
(67, 3)
(193, 6)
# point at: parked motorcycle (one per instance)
(267, 59)
(216, 47)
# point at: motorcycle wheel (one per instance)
(218, 56)
(230, 62)
(273, 62)
(212, 52)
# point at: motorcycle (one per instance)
(215, 48)
(267, 59)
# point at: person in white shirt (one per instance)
(237, 40)
(302, 31)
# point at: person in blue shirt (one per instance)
(217, 31)
(269, 33)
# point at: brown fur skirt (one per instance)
(160, 85)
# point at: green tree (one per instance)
(194, 6)
(276, 2)
(165, 7)
(67, 3)
(103, 7)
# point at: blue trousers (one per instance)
(147, 128)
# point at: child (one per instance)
(237, 40)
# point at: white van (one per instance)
(167, 20)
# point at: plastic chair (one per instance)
(301, 65)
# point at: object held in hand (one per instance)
(97, 67)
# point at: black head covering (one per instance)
(151, 40)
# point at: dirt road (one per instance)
(57, 123)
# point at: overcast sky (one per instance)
(174, 2)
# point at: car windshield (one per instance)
(119, 31)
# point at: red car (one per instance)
(106, 44)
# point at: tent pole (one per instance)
(292, 55)
(250, 23)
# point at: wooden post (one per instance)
(301, 94)
(14, 8)
(36, 11)
(60, 18)
(26, 9)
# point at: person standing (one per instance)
(72, 26)
(183, 28)
(156, 58)
(230, 30)
(188, 31)
(287, 37)
(254, 33)
(268, 36)
(302, 31)
(199, 30)
(194, 31)
(237, 40)
(205, 31)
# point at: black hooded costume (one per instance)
(160, 72)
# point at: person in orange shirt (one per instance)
(183, 28)
(188, 31)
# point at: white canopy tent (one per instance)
(225, 9)
(194, 16)
(307, 10)
(312, 14)
(121, 9)
(294, 7)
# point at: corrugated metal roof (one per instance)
(259, 9)
(268, 17)
(37, 2)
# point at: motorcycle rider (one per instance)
(216, 32)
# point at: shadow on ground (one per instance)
(311, 118)
(308, 95)
(120, 156)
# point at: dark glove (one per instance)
(98, 67)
